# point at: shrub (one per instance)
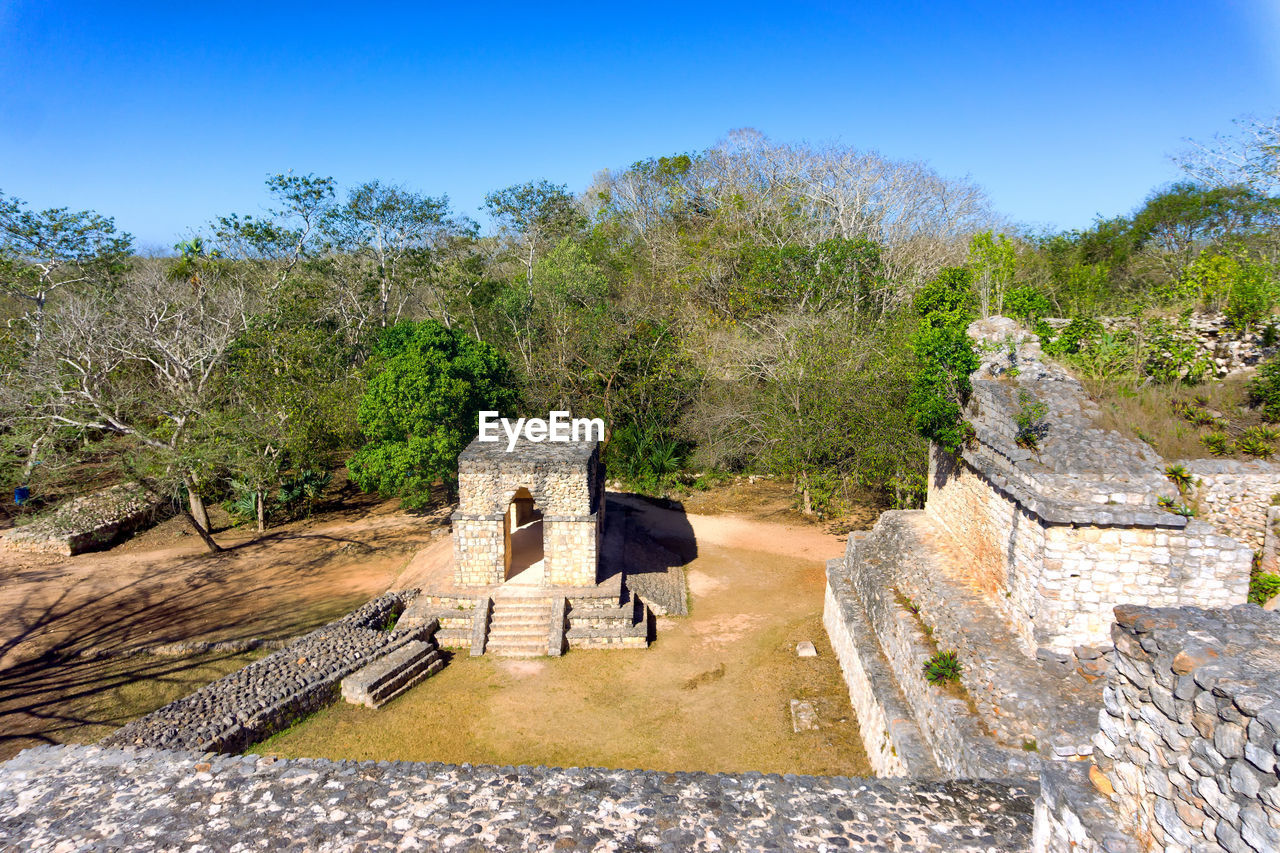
(1217, 443)
(942, 668)
(420, 408)
(1264, 390)
(1030, 421)
(1077, 334)
(1263, 586)
(1254, 446)
(1175, 507)
(1025, 303)
(1180, 477)
(1250, 299)
(940, 386)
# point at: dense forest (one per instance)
(757, 306)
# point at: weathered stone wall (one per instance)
(89, 798)
(1072, 816)
(88, 523)
(268, 695)
(883, 646)
(566, 482)
(1190, 731)
(889, 733)
(1234, 496)
(1232, 352)
(1059, 534)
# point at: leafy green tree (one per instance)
(940, 386)
(420, 410)
(993, 260)
(42, 251)
(539, 212)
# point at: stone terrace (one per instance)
(72, 798)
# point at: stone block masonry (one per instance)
(114, 799)
(1190, 732)
(1059, 535)
(565, 481)
(268, 695)
(1235, 496)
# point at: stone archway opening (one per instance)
(524, 541)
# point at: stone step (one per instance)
(378, 683)
(457, 638)
(539, 631)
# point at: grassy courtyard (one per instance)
(712, 693)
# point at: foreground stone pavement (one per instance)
(95, 798)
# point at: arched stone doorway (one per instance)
(524, 549)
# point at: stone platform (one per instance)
(516, 617)
(89, 798)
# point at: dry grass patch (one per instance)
(1147, 413)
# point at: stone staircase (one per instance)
(387, 677)
(520, 625)
(455, 615)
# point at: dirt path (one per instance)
(54, 611)
(712, 693)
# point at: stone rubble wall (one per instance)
(89, 798)
(1190, 731)
(1232, 352)
(1060, 535)
(88, 523)
(268, 695)
(1235, 495)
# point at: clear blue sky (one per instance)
(166, 115)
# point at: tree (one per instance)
(393, 233)
(40, 253)
(421, 407)
(993, 261)
(140, 360)
(1250, 157)
(539, 213)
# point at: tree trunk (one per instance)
(198, 516)
(262, 511)
(203, 533)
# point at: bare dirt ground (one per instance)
(712, 693)
(57, 613)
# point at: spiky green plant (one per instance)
(942, 668)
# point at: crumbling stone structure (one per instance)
(87, 523)
(1061, 533)
(500, 490)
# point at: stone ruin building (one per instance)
(1116, 696)
(538, 567)
(543, 500)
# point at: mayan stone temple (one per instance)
(538, 565)
(536, 511)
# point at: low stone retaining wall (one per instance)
(87, 523)
(94, 798)
(864, 597)
(894, 744)
(268, 695)
(1234, 496)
